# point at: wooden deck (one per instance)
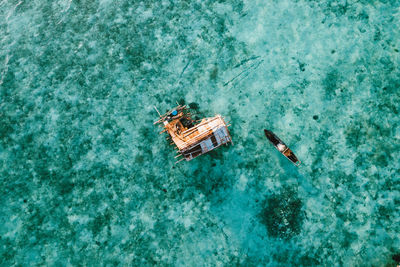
(185, 138)
(194, 140)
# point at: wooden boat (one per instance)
(193, 140)
(282, 147)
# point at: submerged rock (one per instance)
(396, 258)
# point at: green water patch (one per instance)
(208, 176)
(331, 83)
(85, 176)
(8, 251)
(307, 260)
(362, 131)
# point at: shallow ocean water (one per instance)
(87, 180)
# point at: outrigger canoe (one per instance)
(282, 147)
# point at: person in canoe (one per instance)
(282, 147)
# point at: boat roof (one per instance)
(203, 130)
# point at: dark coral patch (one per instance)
(282, 214)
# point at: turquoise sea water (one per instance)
(86, 180)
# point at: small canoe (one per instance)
(282, 147)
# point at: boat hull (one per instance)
(281, 147)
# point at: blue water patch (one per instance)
(86, 178)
